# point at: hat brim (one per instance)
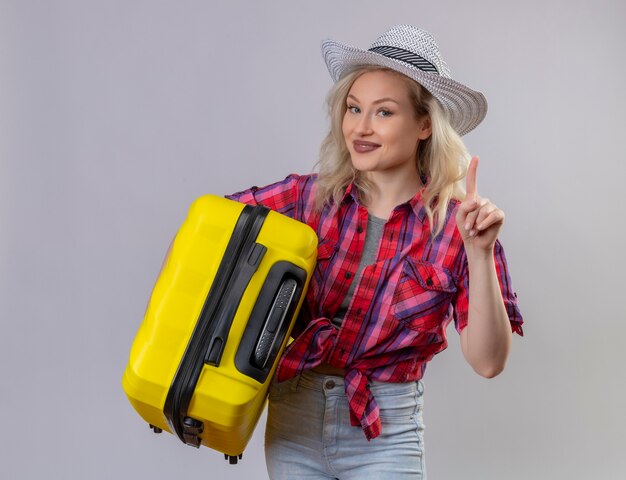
(466, 108)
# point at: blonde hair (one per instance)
(442, 159)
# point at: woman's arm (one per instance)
(486, 341)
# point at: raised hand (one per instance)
(479, 221)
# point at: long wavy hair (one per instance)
(441, 160)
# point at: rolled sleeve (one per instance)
(461, 302)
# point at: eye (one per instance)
(385, 113)
(353, 109)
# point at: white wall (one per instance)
(115, 114)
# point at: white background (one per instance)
(115, 115)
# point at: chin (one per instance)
(362, 165)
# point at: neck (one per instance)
(389, 192)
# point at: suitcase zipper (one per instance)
(206, 345)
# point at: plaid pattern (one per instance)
(402, 304)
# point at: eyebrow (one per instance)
(381, 100)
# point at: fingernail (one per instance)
(472, 233)
(467, 226)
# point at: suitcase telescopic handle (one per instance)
(240, 260)
(230, 303)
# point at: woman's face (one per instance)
(379, 126)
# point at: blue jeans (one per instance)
(309, 435)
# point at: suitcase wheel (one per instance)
(232, 459)
(155, 429)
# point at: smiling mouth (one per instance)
(364, 147)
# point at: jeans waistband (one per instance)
(334, 385)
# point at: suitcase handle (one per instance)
(267, 343)
(271, 320)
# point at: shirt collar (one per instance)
(415, 203)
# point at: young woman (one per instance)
(404, 250)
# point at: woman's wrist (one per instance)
(478, 254)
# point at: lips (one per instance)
(361, 146)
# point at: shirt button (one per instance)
(330, 384)
(348, 275)
(429, 282)
(359, 230)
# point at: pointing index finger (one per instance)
(470, 180)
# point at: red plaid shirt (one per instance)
(397, 318)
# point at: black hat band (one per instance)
(407, 57)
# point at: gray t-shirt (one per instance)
(374, 232)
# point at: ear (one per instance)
(425, 128)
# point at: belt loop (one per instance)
(420, 387)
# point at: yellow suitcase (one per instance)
(219, 318)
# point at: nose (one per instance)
(364, 125)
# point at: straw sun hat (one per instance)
(414, 53)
